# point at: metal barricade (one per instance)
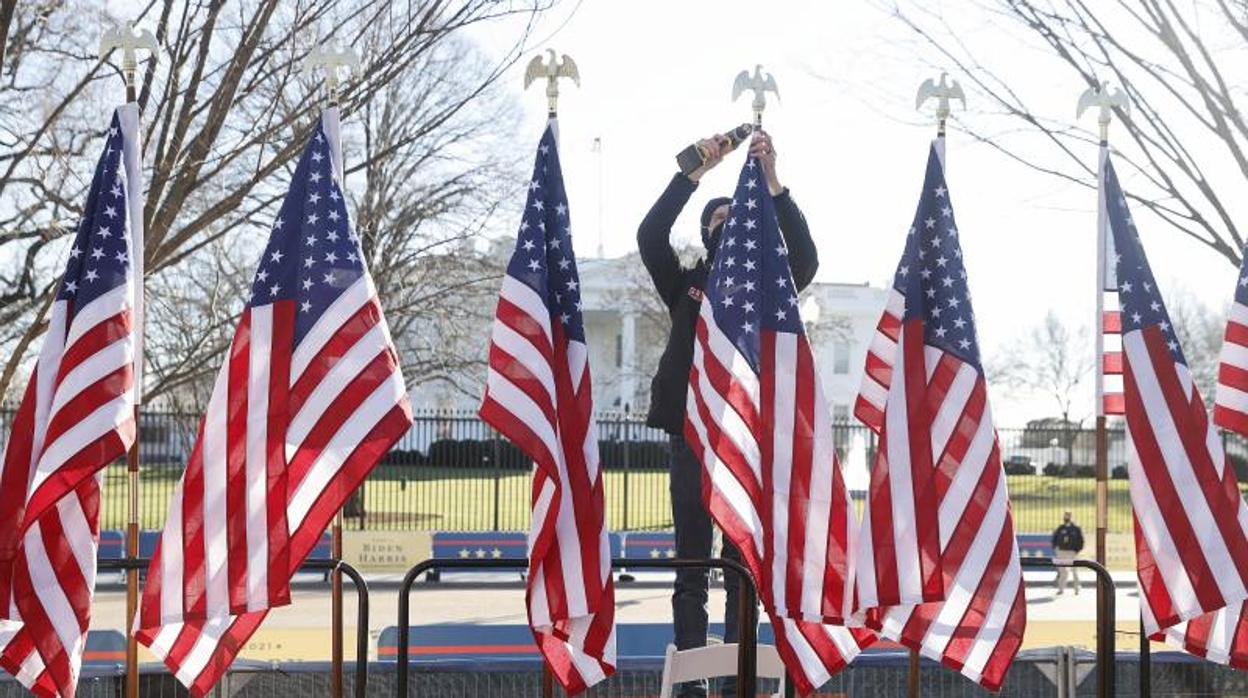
(747, 642)
(326, 564)
(1105, 628)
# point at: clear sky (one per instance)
(656, 75)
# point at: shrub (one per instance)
(1052, 469)
(1119, 472)
(1018, 468)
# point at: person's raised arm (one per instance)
(654, 233)
(803, 257)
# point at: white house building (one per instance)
(626, 329)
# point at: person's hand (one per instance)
(715, 147)
(761, 148)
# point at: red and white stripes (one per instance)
(772, 482)
(76, 417)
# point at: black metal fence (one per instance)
(452, 472)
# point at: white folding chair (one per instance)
(714, 661)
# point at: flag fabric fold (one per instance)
(758, 422)
(1190, 521)
(76, 417)
(308, 399)
(538, 395)
(938, 565)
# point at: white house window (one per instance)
(840, 357)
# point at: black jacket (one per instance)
(1068, 536)
(681, 290)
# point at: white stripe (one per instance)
(331, 387)
(723, 481)
(32, 666)
(578, 363)
(1234, 354)
(883, 348)
(784, 412)
(725, 416)
(47, 587)
(526, 299)
(384, 397)
(728, 356)
(901, 488)
(171, 561)
(949, 414)
(567, 542)
(819, 504)
(525, 354)
(132, 169)
(961, 592)
(88, 372)
(990, 632)
(255, 465)
(103, 420)
(356, 296)
(1166, 434)
(1156, 534)
(809, 661)
(1232, 398)
(966, 478)
(539, 605)
(873, 392)
(501, 390)
(105, 306)
(1238, 314)
(203, 649)
(46, 370)
(215, 444)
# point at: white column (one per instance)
(628, 366)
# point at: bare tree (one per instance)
(1053, 361)
(1170, 58)
(225, 110)
(1199, 330)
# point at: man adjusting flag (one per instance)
(538, 395)
(757, 420)
(76, 417)
(308, 399)
(1191, 524)
(938, 564)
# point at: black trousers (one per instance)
(695, 537)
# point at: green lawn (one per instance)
(430, 498)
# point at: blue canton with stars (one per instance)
(750, 286)
(544, 260)
(313, 255)
(99, 260)
(931, 274)
(1139, 300)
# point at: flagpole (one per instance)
(332, 58)
(942, 92)
(1099, 96)
(125, 39)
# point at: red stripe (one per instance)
(890, 325)
(359, 324)
(237, 439)
(1234, 376)
(1169, 503)
(79, 468)
(1114, 403)
(724, 382)
(1190, 417)
(276, 476)
(998, 665)
(918, 424)
(802, 447)
(869, 414)
(1236, 333)
(13, 480)
(510, 369)
(879, 369)
(1111, 322)
(1151, 583)
(726, 449)
(1111, 363)
(101, 335)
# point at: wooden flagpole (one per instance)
(1099, 96)
(332, 58)
(128, 41)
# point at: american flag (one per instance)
(309, 397)
(756, 417)
(1109, 397)
(1230, 407)
(538, 395)
(76, 417)
(939, 569)
(1191, 524)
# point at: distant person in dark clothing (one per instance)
(681, 288)
(1067, 542)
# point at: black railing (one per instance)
(326, 564)
(451, 472)
(747, 638)
(1105, 628)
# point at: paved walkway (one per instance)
(301, 630)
